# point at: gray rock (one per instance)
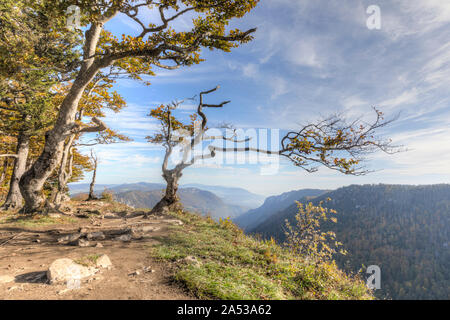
(150, 228)
(191, 260)
(124, 238)
(83, 230)
(174, 222)
(103, 261)
(80, 243)
(66, 270)
(96, 236)
(69, 238)
(146, 229)
(120, 232)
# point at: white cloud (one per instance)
(405, 98)
(304, 53)
(279, 87)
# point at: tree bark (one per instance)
(170, 199)
(14, 198)
(65, 172)
(4, 170)
(94, 176)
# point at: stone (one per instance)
(6, 279)
(120, 232)
(148, 269)
(80, 243)
(69, 238)
(146, 229)
(54, 215)
(124, 238)
(83, 230)
(191, 260)
(174, 221)
(96, 236)
(99, 245)
(66, 270)
(103, 261)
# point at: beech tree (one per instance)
(31, 59)
(158, 44)
(331, 142)
(95, 100)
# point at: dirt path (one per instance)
(26, 253)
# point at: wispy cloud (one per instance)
(309, 59)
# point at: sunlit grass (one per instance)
(236, 266)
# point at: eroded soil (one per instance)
(26, 251)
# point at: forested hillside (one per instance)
(402, 229)
(272, 205)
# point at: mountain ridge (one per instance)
(402, 228)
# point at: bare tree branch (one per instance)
(8, 156)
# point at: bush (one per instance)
(107, 196)
(305, 237)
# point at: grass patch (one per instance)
(236, 266)
(88, 261)
(37, 220)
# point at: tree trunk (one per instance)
(14, 198)
(170, 199)
(33, 180)
(65, 172)
(4, 170)
(91, 187)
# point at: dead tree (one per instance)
(330, 142)
(94, 160)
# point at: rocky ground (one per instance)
(108, 247)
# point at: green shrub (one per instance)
(107, 196)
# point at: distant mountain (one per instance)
(194, 200)
(403, 229)
(76, 188)
(226, 201)
(239, 196)
(272, 205)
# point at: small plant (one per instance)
(88, 261)
(107, 196)
(229, 225)
(306, 238)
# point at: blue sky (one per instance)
(310, 58)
